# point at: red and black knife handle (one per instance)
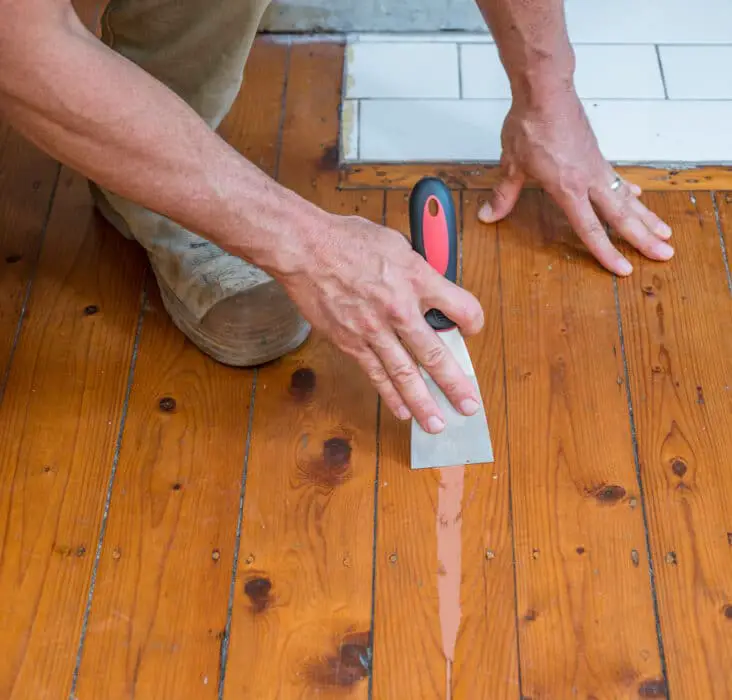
(433, 227)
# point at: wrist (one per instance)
(544, 80)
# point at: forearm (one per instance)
(91, 109)
(534, 47)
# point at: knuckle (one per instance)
(434, 357)
(404, 374)
(377, 375)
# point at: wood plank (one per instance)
(585, 612)
(677, 321)
(415, 623)
(59, 419)
(160, 607)
(302, 605)
(473, 176)
(27, 180)
(487, 657)
(252, 125)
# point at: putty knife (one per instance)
(465, 439)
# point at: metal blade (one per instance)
(465, 439)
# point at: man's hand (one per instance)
(367, 291)
(555, 145)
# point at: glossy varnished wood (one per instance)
(59, 422)
(27, 179)
(677, 321)
(302, 602)
(584, 601)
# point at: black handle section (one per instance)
(433, 227)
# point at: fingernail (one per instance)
(469, 407)
(435, 424)
(402, 413)
(624, 267)
(665, 251)
(485, 212)
(664, 231)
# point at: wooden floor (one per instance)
(174, 529)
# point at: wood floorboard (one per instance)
(302, 604)
(27, 181)
(677, 322)
(59, 422)
(594, 554)
(585, 610)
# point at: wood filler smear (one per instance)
(449, 551)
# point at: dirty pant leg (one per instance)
(198, 49)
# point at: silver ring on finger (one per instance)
(617, 183)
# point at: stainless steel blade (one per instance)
(465, 439)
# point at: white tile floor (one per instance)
(655, 78)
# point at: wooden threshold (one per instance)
(473, 176)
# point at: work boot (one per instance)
(230, 309)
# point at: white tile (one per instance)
(349, 130)
(650, 21)
(437, 130)
(482, 72)
(603, 71)
(617, 71)
(697, 72)
(422, 37)
(406, 70)
(469, 130)
(663, 130)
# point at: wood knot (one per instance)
(258, 591)
(302, 383)
(635, 557)
(653, 688)
(649, 291)
(727, 611)
(167, 404)
(336, 452)
(678, 466)
(177, 486)
(580, 550)
(349, 665)
(329, 159)
(216, 555)
(531, 615)
(670, 558)
(608, 493)
(90, 310)
(12, 259)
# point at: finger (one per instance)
(504, 198)
(456, 303)
(635, 189)
(402, 372)
(437, 360)
(618, 210)
(653, 223)
(583, 220)
(382, 382)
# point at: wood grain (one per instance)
(585, 612)
(302, 605)
(27, 179)
(473, 176)
(159, 615)
(723, 203)
(677, 321)
(59, 419)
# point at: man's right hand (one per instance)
(367, 290)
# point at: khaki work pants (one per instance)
(198, 48)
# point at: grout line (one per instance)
(508, 463)
(641, 490)
(663, 75)
(376, 514)
(224, 655)
(29, 284)
(722, 243)
(110, 484)
(507, 99)
(459, 48)
(358, 129)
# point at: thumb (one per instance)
(503, 200)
